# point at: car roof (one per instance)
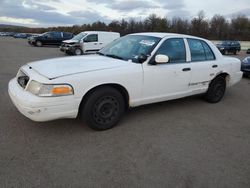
(90, 32)
(163, 35)
(230, 41)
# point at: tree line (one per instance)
(216, 28)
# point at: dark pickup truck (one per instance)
(50, 38)
(229, 47)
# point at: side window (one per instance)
(91, 38)
(48, 35)
(197, 50)
(174, 49)
(209, 53)
(56, 35)
(67, 35)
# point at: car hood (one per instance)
(58, 67)
(70, 41)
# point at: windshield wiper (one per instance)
(114, 56)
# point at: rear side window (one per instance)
(200, 51)
(174, 49)
(209, 53)
(67, 35)
(91, 38)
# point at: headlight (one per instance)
(49, 90)
(222, 48)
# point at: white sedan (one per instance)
(134, 70)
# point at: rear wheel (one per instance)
(246, 75)
(103, 108)
(216, 90)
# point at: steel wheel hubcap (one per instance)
(106, 109)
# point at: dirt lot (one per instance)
(182, 143)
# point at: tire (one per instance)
(216, 90)
(103, 108)
(235, 52)
(78, 51)
(39, 43)
(245, 75)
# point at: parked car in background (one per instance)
(2, 34)
(7, 34)
(50, 38)
(88, 42)
(245, 66)
(31, 37)
(229, 47)
(248, 51)
(133, 70)
(22, 35)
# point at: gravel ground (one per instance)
(182, 143)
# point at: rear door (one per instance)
(203, 64)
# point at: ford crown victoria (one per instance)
(134, 70)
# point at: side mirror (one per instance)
(142, 58)
(161, 59)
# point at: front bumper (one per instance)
(42, 108)
(32, 42)
(63, 49)
(245, 69)
(67, 49)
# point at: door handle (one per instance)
(95, 43)
(215, 66)
(186, 69)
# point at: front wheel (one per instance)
(216, 90)
(39, 43)
(78, 51)
(103, 108)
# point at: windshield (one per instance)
(79, 36)
(130, 47)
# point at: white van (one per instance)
(88, 42)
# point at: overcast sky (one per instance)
(38, 13)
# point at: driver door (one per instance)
(170, 80)
(91, 43)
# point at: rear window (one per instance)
(209, 53)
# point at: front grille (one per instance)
(22, 79)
